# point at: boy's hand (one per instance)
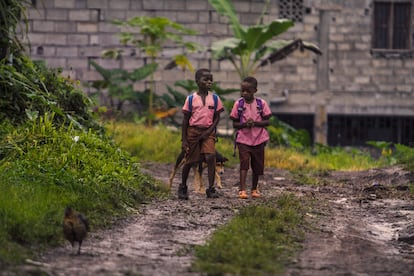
(250, 123)
(185, 146)
(204, 136)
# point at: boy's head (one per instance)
(200, 73)
(248, 88)
(204, 80)
(252, 81)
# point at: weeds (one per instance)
(155, 144)
(45, 168)
(160, 144)
(312, 159)
(260, 241)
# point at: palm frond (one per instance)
(288, 49)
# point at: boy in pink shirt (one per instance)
(201, 115)
(250, 116)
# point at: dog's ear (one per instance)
(220, 157)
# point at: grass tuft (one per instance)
(259, 241)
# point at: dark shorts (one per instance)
(198, 147)
(252, 156)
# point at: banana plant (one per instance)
(153, 34)
(252, 47)
(119, 83)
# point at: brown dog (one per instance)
(198, 168)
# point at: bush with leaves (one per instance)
(282, 134)
(30, 90)
(45, 168)
(12, 14)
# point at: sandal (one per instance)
(243, 195)
(255, 194)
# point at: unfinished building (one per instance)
(360, 89)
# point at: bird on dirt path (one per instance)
(75, 227)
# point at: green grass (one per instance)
(47, 168)
(259, 241)
(155, 144)
(160, 144)
(43, 168)
(330, 159)
(263, 239)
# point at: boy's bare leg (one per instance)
(255, 181)
(182, 188)
(243, 176)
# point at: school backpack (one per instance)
(240, 108)
(190, 106)
(190, 102)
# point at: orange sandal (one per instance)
(243, 195)
(255, 194)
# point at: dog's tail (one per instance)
(181, 159)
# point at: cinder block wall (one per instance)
(347, 79)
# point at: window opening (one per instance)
(291, 9)
(345, 130)
(392, 21)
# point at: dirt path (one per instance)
(360, 221)
(366, 228)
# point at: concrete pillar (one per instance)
(321, 100)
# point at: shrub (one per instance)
(45, 168)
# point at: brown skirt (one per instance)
(197, 146)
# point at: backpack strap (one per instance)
(259, 106)
(215, 98)
(240, 107)
(190, 102)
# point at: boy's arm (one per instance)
(250, 123)
(262, 123)
(216, 120)
(234, 116)
(266, 114)
(238, 125)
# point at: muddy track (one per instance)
(361, 225)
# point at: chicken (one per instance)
(75, 227)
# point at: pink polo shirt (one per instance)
(256, 135)
(202, 115)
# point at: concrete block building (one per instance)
(360, 89)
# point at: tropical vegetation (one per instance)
(54, 153)
(152, 36)
(11, 14)
(252, 47)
